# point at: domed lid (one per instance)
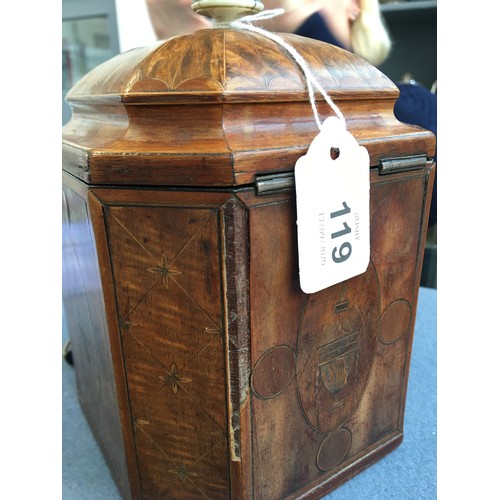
(229, 65)
(220, 105)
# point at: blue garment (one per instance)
(315, 27)
(416, 105)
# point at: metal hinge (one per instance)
(273, 183)
(403, 164)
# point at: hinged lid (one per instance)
(217, 107)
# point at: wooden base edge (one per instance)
(323, 486)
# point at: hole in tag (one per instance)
(334, 153)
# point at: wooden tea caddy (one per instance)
(202, 368)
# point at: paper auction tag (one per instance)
(333, 220)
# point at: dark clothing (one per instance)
(416, 105)
(315, 27)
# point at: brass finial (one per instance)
(225, 11)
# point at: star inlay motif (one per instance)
(175, 378)
(183, 472)
(164, 271)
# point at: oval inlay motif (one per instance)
(336, 348)
(395, 321)
(333, 449)
(273, 372)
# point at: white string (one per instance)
(245, 24)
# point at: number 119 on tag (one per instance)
(344, 252)
(333, 215)
(335, 250)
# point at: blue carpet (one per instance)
(408, 473)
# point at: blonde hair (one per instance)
(369, 36)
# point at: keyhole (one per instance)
(334, 153)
